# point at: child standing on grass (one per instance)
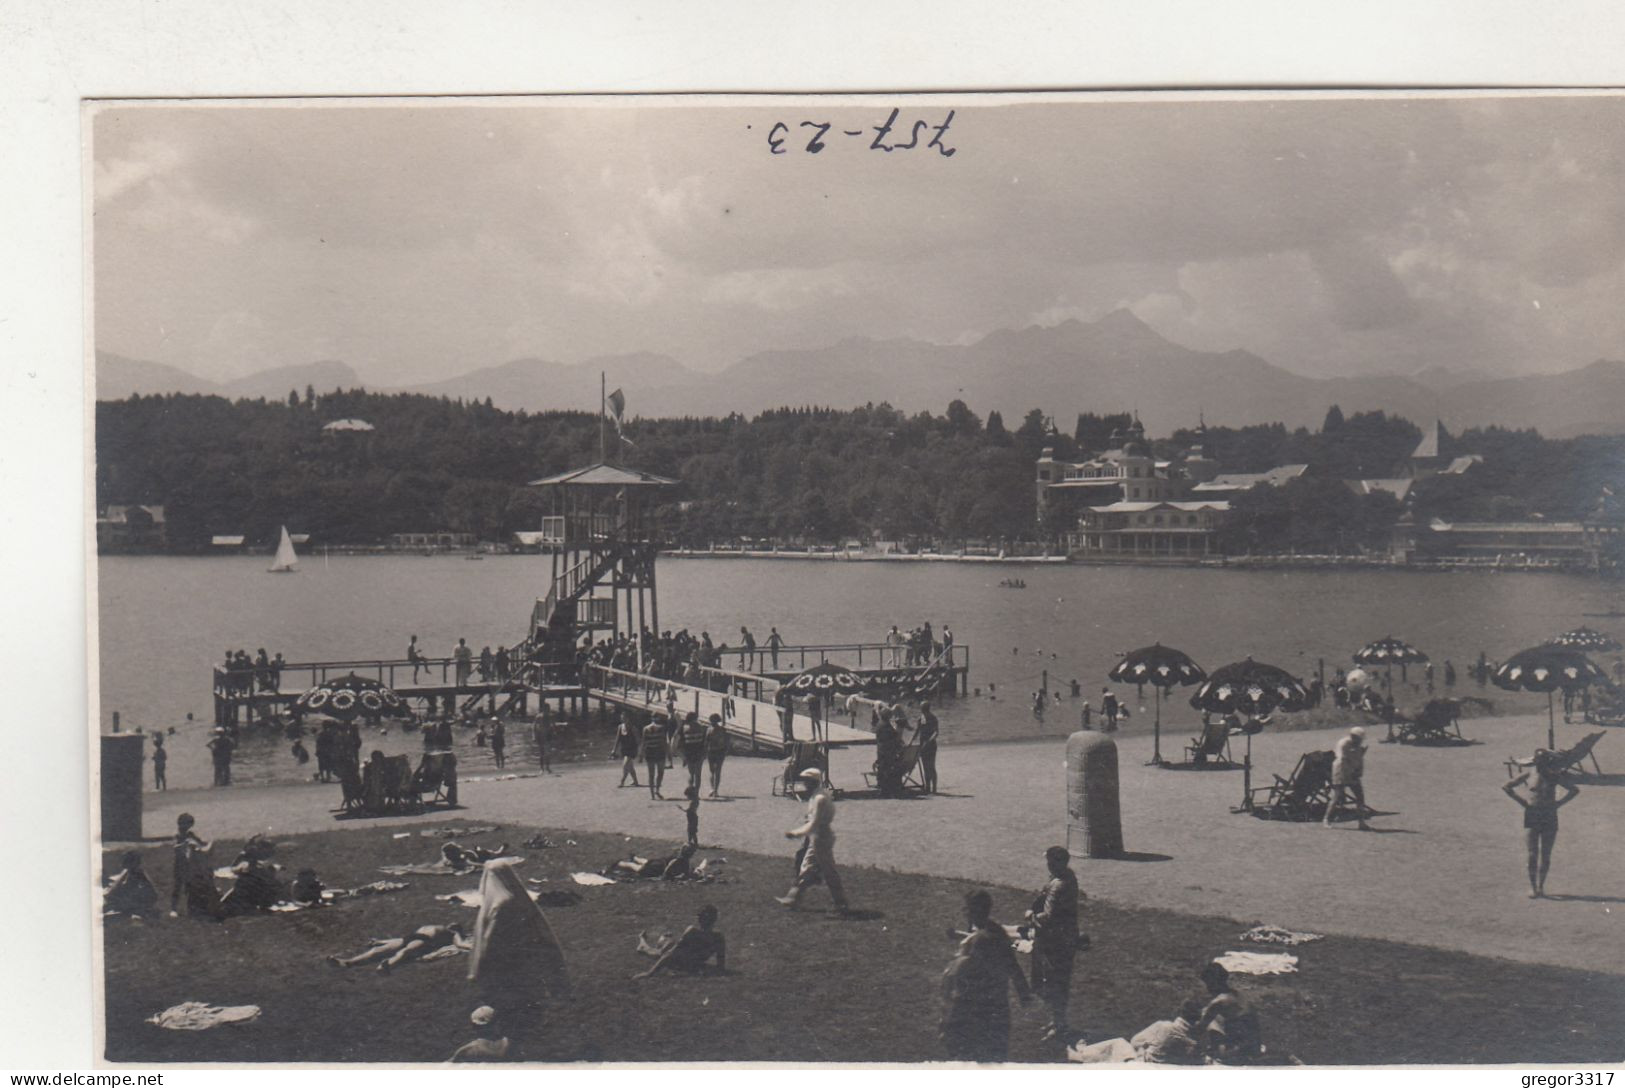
(160, 760)
(192, 873)
(691, 811)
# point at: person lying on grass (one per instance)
(415, 945)
(667, 867)
(130, 891)
(1171, 1042)
(459, 858)
(689, 953)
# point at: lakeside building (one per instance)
(432, 540)
(1149, 530)
(132, 528)
(1596, 542)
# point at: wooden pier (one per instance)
(863, 659)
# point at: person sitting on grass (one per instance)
(689, 953)
(489, 1044)
(459, 858)
(1170, 1042)
(130, 891)
(307, 887)
(397, 950)
(1227, 1027)
(255, 885)
(667, 867)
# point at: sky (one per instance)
(417, 241)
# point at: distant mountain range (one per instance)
(1113, 364)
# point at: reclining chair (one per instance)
(1436, 724)
(437, 776)
(800, 755)
(1568, 760)
(1214, 743)
(908, 763)
(1303, 796)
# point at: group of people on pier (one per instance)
(246, 675)
(917, 646)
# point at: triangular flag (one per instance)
(617, 406)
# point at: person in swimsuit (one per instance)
(397, 950)
(1540, 815)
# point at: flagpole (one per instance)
(602, 457)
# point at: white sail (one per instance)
(286, 562)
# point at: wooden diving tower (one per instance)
(601, 533)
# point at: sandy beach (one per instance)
(1447, 837)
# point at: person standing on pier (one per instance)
(654, 755)
(626, 746)
(747, 643)
(278, 663)
(464, 657)
(895, 639)
(487, 665)
(415, 656)
(775, 642)
(499, 742)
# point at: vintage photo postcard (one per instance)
(1097, 579)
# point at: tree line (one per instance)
(809, 474)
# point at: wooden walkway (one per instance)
(756, 727)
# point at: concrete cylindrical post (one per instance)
(1094, 822)
(121, 756)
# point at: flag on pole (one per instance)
(617, 410)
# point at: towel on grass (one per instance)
(559, 897)
(1279, 935)
(591, 880)
(1259, 963)
(199, 1016)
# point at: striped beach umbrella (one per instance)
(1163, 667)
(350, 697)
(1547, 668)
(1389, 651)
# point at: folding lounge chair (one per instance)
(909, 760)
(1436, 724)
(437, 776)
(1304, 796)
(800, 755)
(1568, 760)
(1214, 744)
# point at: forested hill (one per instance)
(249, 466)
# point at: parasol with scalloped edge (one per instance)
(1162, 667)
(352, 696)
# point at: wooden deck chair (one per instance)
(1303, 796)
(1569, 760)
(437, 776)
(1214, 743)
(909, 760)
(1436, 724)
(800, 755)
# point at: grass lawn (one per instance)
(803, 987)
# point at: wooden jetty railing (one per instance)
(869, 655)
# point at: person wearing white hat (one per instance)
(819, 860)
(1348, 768)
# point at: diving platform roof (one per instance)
(602, 475)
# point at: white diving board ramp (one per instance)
(757, 725)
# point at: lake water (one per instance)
(164, 622)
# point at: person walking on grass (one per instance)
(654, 755)
(716, 751)
(1054, 917)
(1540, 815)
(1348, 770)
(818, 863)
(626, 746)
(976, 988)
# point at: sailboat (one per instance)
(286, 562)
